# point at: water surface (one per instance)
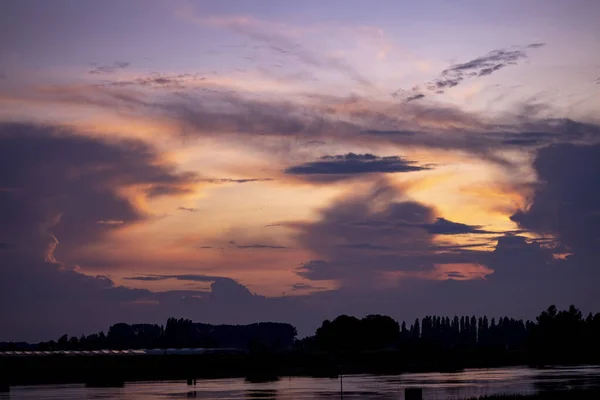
(436, 386)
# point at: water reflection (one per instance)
(261, 378)
(436, 386)
(261, 394)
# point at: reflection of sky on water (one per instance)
(437, 386)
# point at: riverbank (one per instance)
(254, 366)
(260, 366)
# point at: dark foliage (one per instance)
(554, 337)
(177, 333)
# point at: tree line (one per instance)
(563, 335)
(176, 333)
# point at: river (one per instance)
(436, 386)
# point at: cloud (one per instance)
(276, 40)
(358, 239)
(221, 288)
(151, 278)
(64, 183)
(229, 180)
(417, 96)
(304, 286)
(104, 69)
(255, 246)
(111, 222)
(77, 181)
(478, 67)
(180, 277)
(160, 81)
(389, 133)
(260, 246)
(353, 164)
(442, 226)
(188, 209)
(365, 246)
(566, 202)
(354, 120)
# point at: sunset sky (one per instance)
(243, 161)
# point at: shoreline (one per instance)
(117, 370)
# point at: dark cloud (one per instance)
(527, 139)
(255, 246)
(221, 287)
(150, 278)
(108, 68)
(75, 180)
(161, 81)
(158, 190)
(535, 45)
(352, 164)
(417, 96)
(442, 226)
(365, 246)
(111, 222)
(180, 277)
(313, 270)
(359, 238)
(522, 142)
(485, 65)
(389, 133)
(333, 118)
(260, 246)
(188, 209)
(305, 286)
(477, 67)
(566, 203)
(62, 185)
(229, 180)
(354, 240)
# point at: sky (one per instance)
(242, 161)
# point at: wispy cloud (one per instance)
(475, 68)
(104, 69)
(110, 222)
(255, 246)
(160, 81)
(179, 277)
(351, 164)
(229, 180)
(442, 226)
(414, 97)
(260, 246)
(188, 209)
(274, 38)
